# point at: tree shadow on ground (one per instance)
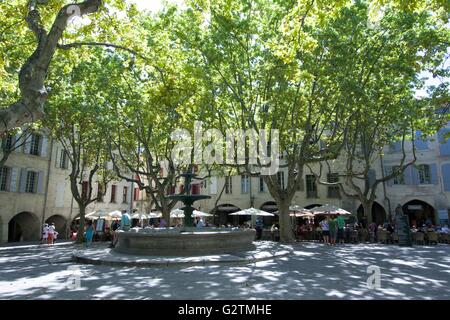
(313, 271)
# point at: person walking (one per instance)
(325, 230)
(89, 233)
(51, 233)
(333, 226)
(259, 228)
(45, 234)
(125, 222)
(341, 225)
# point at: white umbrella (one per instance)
(197, 213)
(252, 212)
(329, 209)
(115, 214)
(302, 214)
(154, 215)
(96, 215)
(140, 216)
(177, 213)
(296, 207)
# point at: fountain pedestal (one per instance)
(186, 242)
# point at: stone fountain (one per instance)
(185, 241)
(188, 199)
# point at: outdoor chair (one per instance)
(394, 237)
(444, 237)
(354, 237)
(371, 236)
(363, 235)
(432, 237)
(382, 236)
(419, 238)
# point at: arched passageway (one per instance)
(419, 212)
(378, 214)
(60, 225)
(222, 217)
(270, 207)
(24, 226)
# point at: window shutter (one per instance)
(396, 146)
(40, 182)
(27, 145)
(415, 176)
(213, 185)
(446, 176)
(57, 157)
(388, 171)
(433, 173)
(419, 142)
(23, 180)
(13, 181)
(44, 146)
(408, 175)
(444, 146)
(372, 177)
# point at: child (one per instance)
(45, 234)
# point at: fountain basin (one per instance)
(186, 242)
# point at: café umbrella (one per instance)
(329, 210)
(252, 212)
(197, 213)
(115, 214)
(177, 213)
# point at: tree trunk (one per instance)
(80, 232)
(165, 210)
(286, 234)
(367, 206)
(33, 94)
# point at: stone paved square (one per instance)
(313, 271)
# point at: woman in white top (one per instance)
(45, 234)
(51, 233)
(325, 230)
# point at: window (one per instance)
(424, 174)
(63, 160)
(228, 185)
(113, 193)
(400, 178)
(395, 146)
(125, 195)
(311, 187)
(333, 191)
(100, 193)
(84, 189)
(35, 144)
(195, 188)
(4, 172)
(30, 185)
(136, 194)
(280, 178)
(7, 142)
(244, 184)
(262, 187)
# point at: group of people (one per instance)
(431, 228)
(333, 229)
(49, 234)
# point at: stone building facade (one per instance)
(34, 189)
